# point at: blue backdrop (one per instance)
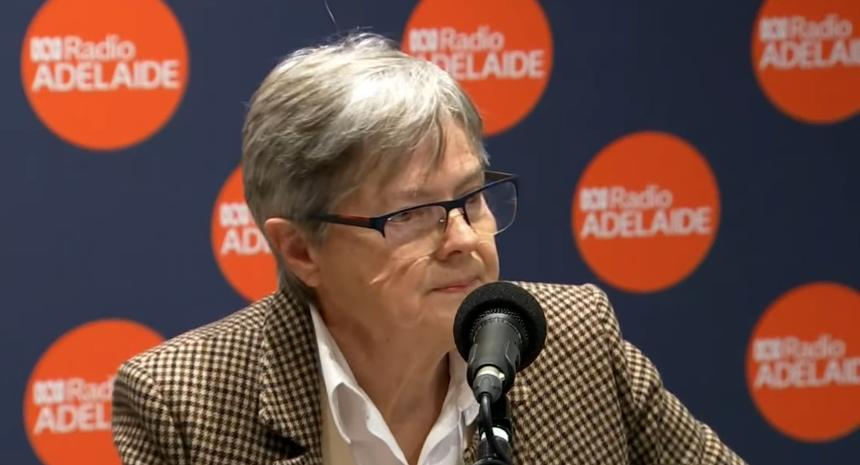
(126, 234)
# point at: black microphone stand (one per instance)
(496, 431)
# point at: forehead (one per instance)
(432, 165)
(434, 169)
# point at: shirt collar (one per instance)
(336, 374)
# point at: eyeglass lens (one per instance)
(419, 231)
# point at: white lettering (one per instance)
(650, 198)
(112, 48)
(79, 390)
(831, 27)
(479, 41)
(810, 54)
(507, 64)
(681, 221)
(244, 241)
(476, 56)
(72, 418)
(808, 374)
(822, 348)
(593, 199)
(765, 350)
(49, 392)
(100, 77)
(231, 214)
(45, 49)
(423, 40)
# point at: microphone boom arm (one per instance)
(496, 429)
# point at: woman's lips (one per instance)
(458, 286)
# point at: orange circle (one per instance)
(102, 74)
(240, 248)
(806, 57)
(500, 52)
(67, 408)
(646, 211)
(803, 362)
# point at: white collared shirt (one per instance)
(361, 425)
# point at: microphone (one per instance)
(499, 329)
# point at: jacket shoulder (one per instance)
(231, 333)
(186, 392)
(581, 326)
(570, 304)
(574, 372)
(211, 358)
(581, 333)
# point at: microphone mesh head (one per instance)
(503, 297)
(517, 318)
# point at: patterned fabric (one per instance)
(245, 390)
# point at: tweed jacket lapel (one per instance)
(520, 397)
(289, 378)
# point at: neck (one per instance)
(405, 384)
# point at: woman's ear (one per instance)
(290, 243)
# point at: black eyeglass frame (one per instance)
(493, 178)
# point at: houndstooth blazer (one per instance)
(245, 391)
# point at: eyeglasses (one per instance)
(418, 231)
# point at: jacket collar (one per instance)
(289, 373)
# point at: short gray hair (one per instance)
(327, 115)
